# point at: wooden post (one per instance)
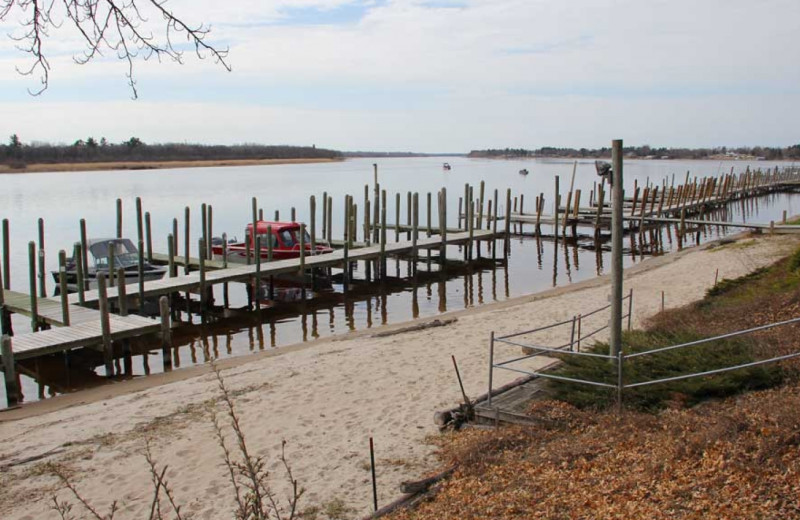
(119, 218)
(166, 333)
(539, 210)
(383, 233)
(6, 255)
(269, 256)
(480, 205)
(302, 250)
(324, 214)
(77, 256)
(347, 241)
(409, 208)
(122, 296)
(201, 247)
(105, 325)
(256, 285)
(62, 286)
(556, 203)
(210, 234)
(171, 256)
(148, 236)
(397, 218)
(186, 241)
(508, 215)
(415, 231)
(32, 276)
(13, 391)
(312, 203)
(294, 214)
(176, 242)
(330, 219)
(111, 260)
(42, 278)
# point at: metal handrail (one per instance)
(710, 372)
(715, 338)
(560, 378)
(551, 349)
(552, 325)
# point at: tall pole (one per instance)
(616, 248)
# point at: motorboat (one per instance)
(115, 253)
(282, 238)
(446, 166)
(523, 171)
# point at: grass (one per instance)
(766, 295)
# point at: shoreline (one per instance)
(153, 165)
(325, 398)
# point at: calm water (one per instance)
(62, 199)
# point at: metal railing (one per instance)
(576, 336)
(620, 359)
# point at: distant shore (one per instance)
(152, 165)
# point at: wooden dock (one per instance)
(192, 282)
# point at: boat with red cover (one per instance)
(284, 237)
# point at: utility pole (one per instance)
(616, 247)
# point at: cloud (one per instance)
(450, 75)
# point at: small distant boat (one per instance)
(523, 171)
(125, 256)
(446, 166)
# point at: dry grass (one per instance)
(722, 459)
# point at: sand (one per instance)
(324, 398)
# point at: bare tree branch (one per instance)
(120, 26)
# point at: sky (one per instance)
(432, 76)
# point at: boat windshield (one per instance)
(125, 253)
(287, 237)
(266, 239)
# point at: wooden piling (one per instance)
(556, 204)
(201, 247)
(383, 234)
(122, 296)
(186, 240)
(312, 208)
(62, 286)
(32, 277)
(397, 218)
(480, 205)
(105, 325)
(42, 277)
(171, 256)
(6, 255)
(330, 219)
(13, 391)
(148, 233)
(77, 256)
(324, 214)
(166, 332)
(119, 218)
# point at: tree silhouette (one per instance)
(121, 27)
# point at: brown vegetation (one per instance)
(732, 458)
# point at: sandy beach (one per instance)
(324, 398)
(150, 165)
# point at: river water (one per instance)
(62, 199)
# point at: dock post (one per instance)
(201, 248)
(203, 227)
(84, 248)
(346, 240)
(77, 257)
(383, 234)
(186, 240)
(324, 214)
(141, 277)
(225, 301)
(507, 242)
(166, 333)
(119, 218)
(42, 279)
(111, 271)
(32, 276)
(471, 228)
(480, 205)
(6, 256)
(209, 244)
(13, 391)
(494, 226)
(139, 221)
(312, 203)
(294, 214)
(377, 213)
(330, 219)
(257, 279)
(105, 325)
(397, 217)
(409, 208)
(269, 259)
(148, 236)
(171, 256)
(62, 286)
(415, 232)
(556, 207)
(122, 296)
(302, 260)
(254, 232)
(175, 240)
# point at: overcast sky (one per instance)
(436, 76)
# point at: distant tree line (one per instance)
(18, 154)
(646, 151)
